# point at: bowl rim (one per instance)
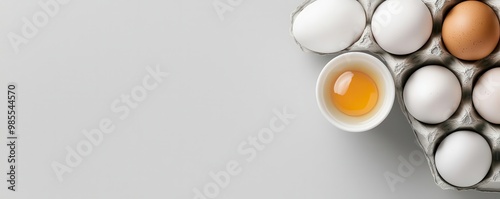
(388, 86)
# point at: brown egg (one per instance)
(471, 30)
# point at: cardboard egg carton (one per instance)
(434, 53)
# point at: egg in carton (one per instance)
(433, 52)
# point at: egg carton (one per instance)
(434, 53)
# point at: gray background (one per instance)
(226, 78)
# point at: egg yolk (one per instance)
(354, 93)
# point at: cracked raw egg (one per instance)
(354, 93)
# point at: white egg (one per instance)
(328, 26)
(402, 26)
(463, 158)
(432, 94)
(486, 96)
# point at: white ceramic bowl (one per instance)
(368, 64)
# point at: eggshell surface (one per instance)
(432, 94)
(401, 27)
(471, 30)
(463, 158)
(328, 26)
(486, 96)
